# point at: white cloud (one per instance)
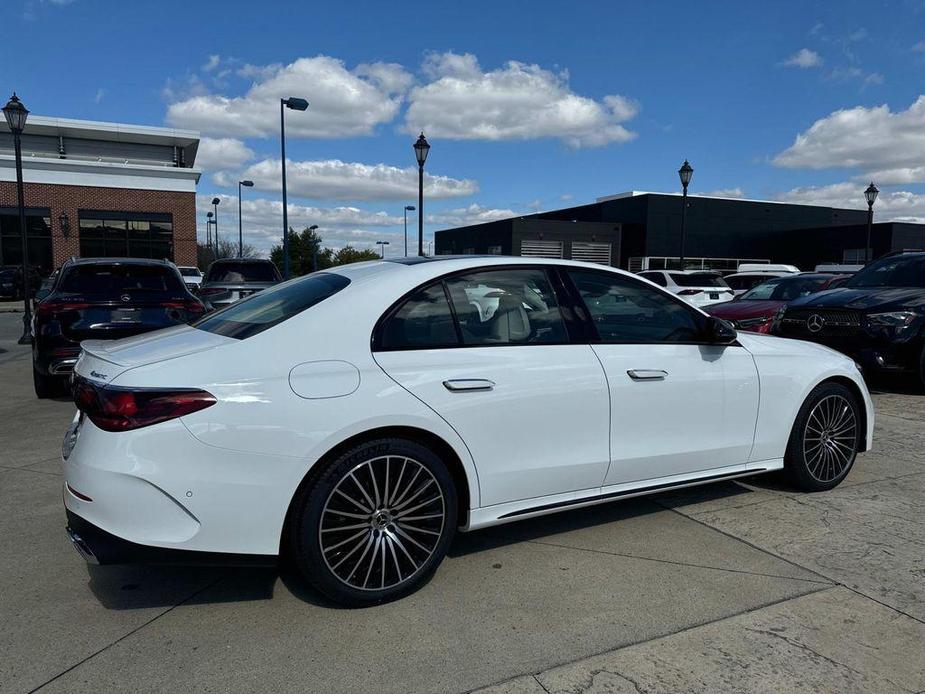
(473, 214)
(875, 139)
(263, 220)
(516, 102)
(804, 58)
(100, 93)
(344, 102)
(216, 154)
(333, 179)
(919, 47)
(899, 206)
(212, 63)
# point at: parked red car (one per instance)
(755, 309)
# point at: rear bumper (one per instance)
(97, 546)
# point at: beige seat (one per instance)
(510, 322)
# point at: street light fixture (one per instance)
(246, 184)
(684, 173)
(408, 208)
(871, 195)
(16, 114)
(215, 203)
(382, 244)
(421, 150)
(296, 104)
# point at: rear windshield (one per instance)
(746, 281)
(272, 306)
(243, 272)
(116, 279)
(895, 271)
(697, 279)
(189, 271)
(784, 289)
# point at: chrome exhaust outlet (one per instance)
(83, 549)
(60, 368)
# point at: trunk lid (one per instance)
(102, 360)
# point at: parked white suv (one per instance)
(697, 287)
(752, 274)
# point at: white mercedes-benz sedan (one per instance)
(355, 419)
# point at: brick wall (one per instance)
(69, 199)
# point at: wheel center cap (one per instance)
(381, 519)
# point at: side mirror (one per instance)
(720, 332)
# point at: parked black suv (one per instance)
(103, 299)
(877, 317)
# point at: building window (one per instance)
(494, 250)
(125, 234)
(38, 237)
(468, 251)
(854, 256)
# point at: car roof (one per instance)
(120, 261)
(242, 260)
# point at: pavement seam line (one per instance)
(640, 642)
(827, 582)
(126, 635)
(754, 546)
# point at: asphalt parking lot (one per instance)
(731, 587)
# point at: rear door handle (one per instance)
(647, 374)
(458, 385)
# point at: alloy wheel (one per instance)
(830, 438)
(382, 522)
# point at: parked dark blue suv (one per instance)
(877, 317)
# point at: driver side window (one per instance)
(624, 311)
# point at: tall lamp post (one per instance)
(215, 202)
(421, 148)
(246, 184)
(16, 115)
(684, 173)
(209, 234)
(871, 195)
(408, 208)
(296, 104)
(382, 245)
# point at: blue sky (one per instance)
(528, 105)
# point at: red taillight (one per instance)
(188, 306)
(689, 292)
(48, 308)
(123, 409)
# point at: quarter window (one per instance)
(424, 321)
(625, 311)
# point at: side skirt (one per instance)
(506, 513)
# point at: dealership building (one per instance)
(638, 231)
(99, 189)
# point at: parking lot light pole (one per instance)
(382, 245)
(314, 249)
(871, 195)
(16, 115)
(246, 184)
(209, 232)
(421, 149)
(408, 208)
(296, 104)
(684, 173)
(215, 202)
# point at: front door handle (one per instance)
(647, 374)
(459, 385)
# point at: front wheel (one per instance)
(825, 438)
(376, 523)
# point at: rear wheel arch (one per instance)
(438, 445)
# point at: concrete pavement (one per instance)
(744, 587)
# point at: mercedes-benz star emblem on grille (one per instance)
(814, 323)
(125, 297)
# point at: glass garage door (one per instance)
(541, 249)
(591, 252)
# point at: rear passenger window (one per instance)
(424, 321)
(508, 306)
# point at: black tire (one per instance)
(922, 366)
(47, 386)
(349, 511)
(825, 438)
